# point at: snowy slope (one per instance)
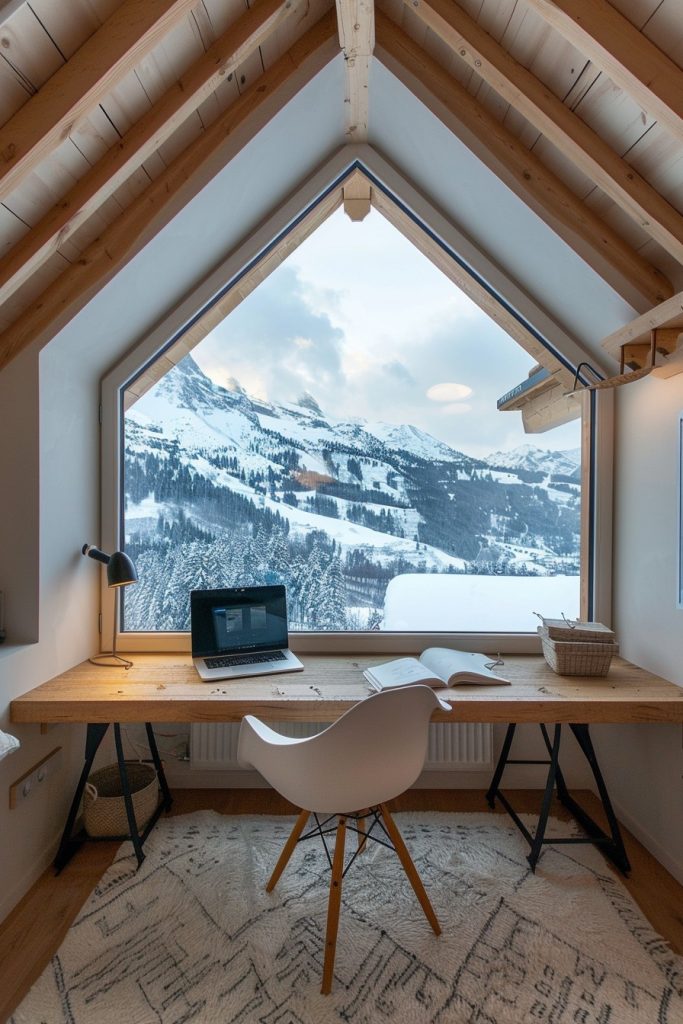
(393, 491)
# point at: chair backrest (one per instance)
(371, 754)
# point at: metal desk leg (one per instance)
(151, 739)
(612, 845)
(68, 845)
(500, 767)
(133, 832)
(539, 835)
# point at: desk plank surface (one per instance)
(166, 688)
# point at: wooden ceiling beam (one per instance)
(356, 20)
(53, 112)
(641, 284)
(143, 138)
(172, 190)
(633, 63)
(564, 129)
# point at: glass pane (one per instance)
(338, 433)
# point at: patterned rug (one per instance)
(193, 937)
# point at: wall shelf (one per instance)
(663, 326)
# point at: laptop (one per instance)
(240, 631)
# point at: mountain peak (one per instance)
(307, 401)
(233, 385)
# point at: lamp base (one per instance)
(110, 661)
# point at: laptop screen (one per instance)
(232, 620)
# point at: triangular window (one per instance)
(338, 432)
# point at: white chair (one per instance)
(349, 771)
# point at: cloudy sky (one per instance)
(366, 324)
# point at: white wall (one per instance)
(42, 532)
(645, 762)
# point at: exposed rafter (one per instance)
(633, 63)
(143, 138)
(46, 120)
(154, 207)
(641, 284)
(571, 136)
(356, 20)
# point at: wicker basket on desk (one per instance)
(577, 658)
(104, 809)
(573, 630)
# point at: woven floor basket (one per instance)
(578, 659)
(104, 809)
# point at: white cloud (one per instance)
(449, 391)
(362, 320)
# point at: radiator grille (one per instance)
(461, 747)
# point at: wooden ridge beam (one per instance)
(641, 284)
(172, 190)
(356, 20)
(564, 129)
(47, 118)
(633, 63)
(357, 193)
(143, 138)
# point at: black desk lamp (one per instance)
(120, 572)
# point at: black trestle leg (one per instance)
(560, 784)
(612, 845)
(68, 845)
(539, 835)
(151, 739)
(133, 832)
(614, 849)
(500, 767)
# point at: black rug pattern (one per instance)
(192, 936)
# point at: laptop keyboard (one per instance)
(227, 661)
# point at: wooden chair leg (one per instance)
(288, 850)
(333, 907)
(410, 869)
(362, 836)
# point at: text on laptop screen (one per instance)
(229, 621)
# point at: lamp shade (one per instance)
(120, 570)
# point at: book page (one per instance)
(402, 672)
(459, 666)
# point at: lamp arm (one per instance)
(92, 552)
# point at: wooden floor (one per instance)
(35, 929)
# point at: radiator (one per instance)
(462, 747)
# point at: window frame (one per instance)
(456, 255)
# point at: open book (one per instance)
(437, 666)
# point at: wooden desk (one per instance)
(166, 688)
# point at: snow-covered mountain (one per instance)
(188, 407)
(529, 457)
(228, 487)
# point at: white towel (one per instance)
(7, 744)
